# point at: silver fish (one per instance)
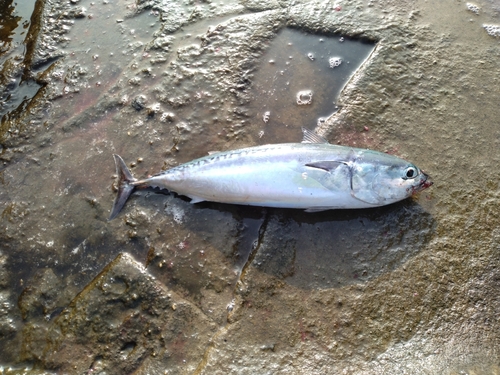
(313, 175)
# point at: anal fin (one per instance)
(195, 199)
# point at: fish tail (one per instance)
(125, 186)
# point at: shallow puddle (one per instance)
(299, 80)
(14, 24)
(16, 89)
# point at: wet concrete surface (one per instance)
(174, 288)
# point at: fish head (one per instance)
(385, 179)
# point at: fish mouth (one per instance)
(425, 182)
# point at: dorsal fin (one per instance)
(309, 136)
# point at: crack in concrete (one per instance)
(223, 328)
(255, 247)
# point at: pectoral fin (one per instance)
(327, 165)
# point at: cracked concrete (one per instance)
(170, 287)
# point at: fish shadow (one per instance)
(322, 249)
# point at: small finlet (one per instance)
(317, 209)
(309, 136)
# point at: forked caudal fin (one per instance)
(125, 186)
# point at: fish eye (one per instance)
(410, 172)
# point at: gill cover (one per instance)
(378, 185)
(380, 179)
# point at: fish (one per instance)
(312, 175)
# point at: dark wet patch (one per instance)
(16, 88)
(338, 248)
(329, 249)
(14, 23)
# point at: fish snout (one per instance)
(425, 181)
